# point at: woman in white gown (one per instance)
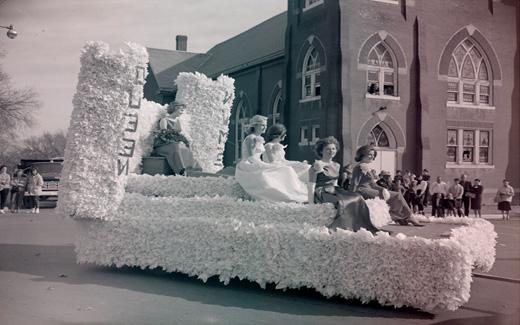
(266, 181)
(275, 152)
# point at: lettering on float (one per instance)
(131, 123)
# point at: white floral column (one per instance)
(208, 103)
(99, 143)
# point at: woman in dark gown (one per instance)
(352, 211)
(362, 182)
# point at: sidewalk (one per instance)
(488, 212)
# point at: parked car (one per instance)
(50, 170)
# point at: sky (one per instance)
(51, 33)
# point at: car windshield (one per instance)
(48, 168)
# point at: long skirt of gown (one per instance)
(271, 182)
(178, 155)
(400, 212)
(352, 210)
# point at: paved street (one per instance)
(40, 283)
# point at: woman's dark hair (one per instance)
(275, 131)
(364, 151)
(34, 169)
(2, 166)
(322, 143)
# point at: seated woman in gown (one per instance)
(172, 143)
(363, 182)
(352, 210)
(275, 152)
(266, 181)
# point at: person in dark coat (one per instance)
(476, 197)
(465, 195)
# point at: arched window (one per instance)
(311, 74)
(241, 121)
(277, 108)
(378, 137)
(469, 79)
(381, 76)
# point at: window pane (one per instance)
(317, 90)
(373, 59)
(475, 54)
(386, 61)
(454, 86)
(452, 69)
(482, 73)
(317, 78)
(468, 137)
(452, 97)
(459, 54)
(451, 154)
(467, 154)
(389, 78)
(373, 88)
(452, 137)
(468, 88)
(468, 98)
(317, 132)
(383, 141)
(483, 155)
(380, 48)
(484, 99)
(388, 90)
(373, 75)
(484, 138)
(307, 91)
(307, 80)
(468, 70)
(484, 90)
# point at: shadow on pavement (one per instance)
(487, 320)
(57, 264)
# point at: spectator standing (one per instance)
(504, 198)
(476, 198)
(34, 189)
(427, 196)
(17, 190)
(457, 191)
(398, 176)
(466, 196)
(422, 185)
(5, 185)
(449, 205)
(411, 195)
(439, 189)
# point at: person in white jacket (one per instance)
(34, 189)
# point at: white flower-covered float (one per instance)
(208, 226)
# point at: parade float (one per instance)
(208, 226)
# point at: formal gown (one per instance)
(352, 210)
(363, 183)
(275, 154)
(266, 181)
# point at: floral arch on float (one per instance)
(208, 226)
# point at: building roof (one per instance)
(165, 65)
(261, 43)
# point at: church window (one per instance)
(311, 88)
(241, 123)
(378, 137)
(469, 82)
(381, 76)
(277, 108)
(468, 146)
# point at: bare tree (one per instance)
(16, 108)
(46, 146)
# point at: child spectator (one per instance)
(476, 198)
(449, 205)
(457, 191)
(17, 191)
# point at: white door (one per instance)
(385, 160)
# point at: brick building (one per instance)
(433, 84)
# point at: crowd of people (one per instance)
(13, 190)
(265, 174)
(446, 199)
